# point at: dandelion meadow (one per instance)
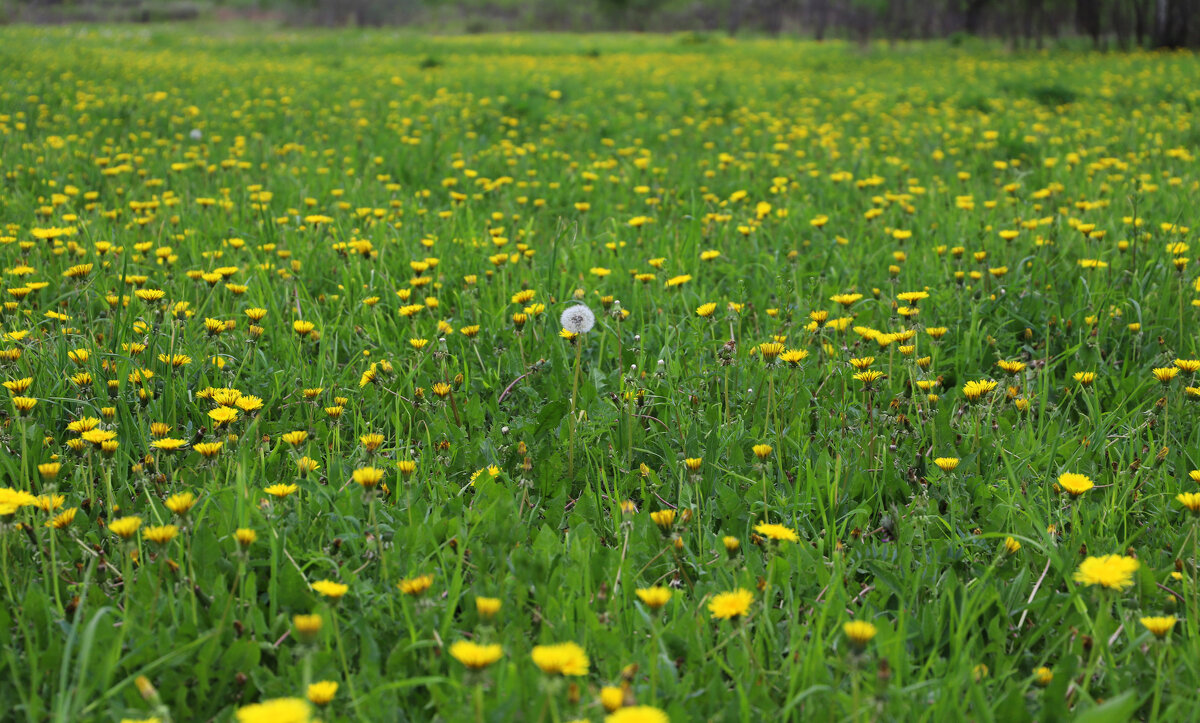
(366, 376)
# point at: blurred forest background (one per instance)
(1020, 23)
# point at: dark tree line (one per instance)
(1122, 23)
(1022, 23)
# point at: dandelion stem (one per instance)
(574, 401)
(54, 573)
(4, 561)
(654, 656)
(337, 637)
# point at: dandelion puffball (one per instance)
(578, 319)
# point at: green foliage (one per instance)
(406, 196)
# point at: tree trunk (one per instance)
(819, 12)
(1120, 24)
(1140, 10)
(974, 16)
(1087, 18)
(736, 10)
(1172, 26)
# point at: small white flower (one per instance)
(578, 319)
(196, 134)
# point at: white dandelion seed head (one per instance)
(196, 134)
(578, 319)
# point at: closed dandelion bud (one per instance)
(859, 633)
(245, 537)
(611, 697)
(573, 693)
(307, 627)
(487, 607)
(146, 688)
(732, 545)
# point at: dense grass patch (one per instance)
(902, 339)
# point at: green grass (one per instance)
(529, 163)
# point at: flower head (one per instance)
(561, 659)
(974, 391)
(1190, 501)
(475, 656)
(124, 527)
(1160, 626)
(946, 464)
(637, 714)
(330, 589)
(730, 605)
(578, 319)
(664, 519)
(322, 692)
(778, 533)
(415, 585)
(12, 500)
(654, 597)
(1114, 572)
(1075, 484)
(278, 710)
(487, 607)
(860, 632)
(160, 534)
(1165, 374)
(307, 626)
